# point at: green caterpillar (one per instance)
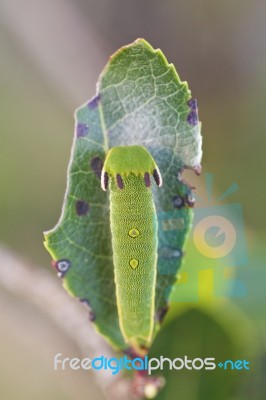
(128, 171)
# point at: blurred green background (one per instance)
(51, 56)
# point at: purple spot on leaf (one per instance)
(82, 130)
(192, 104)
(161, 313)
(192, 117)
(85, 302)
(147, 179)
(197, 169)
(190, 199)
(82, 207)
(97, 166)
(61, 266)
(178, 201)
(92, 315)
(94, 102)
(119, 181)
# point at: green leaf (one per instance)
(196, 334)
(140, 100)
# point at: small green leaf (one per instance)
(142, 101)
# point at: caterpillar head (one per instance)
(124, 160)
